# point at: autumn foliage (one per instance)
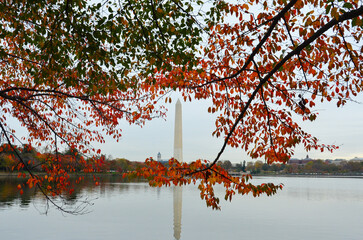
(206, 177)
(72, 70)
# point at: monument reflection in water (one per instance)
(178, 154)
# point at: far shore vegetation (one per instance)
(35, 159)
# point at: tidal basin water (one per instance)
(307, 208)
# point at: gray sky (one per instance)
(340, 126)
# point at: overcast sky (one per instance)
(339, 126)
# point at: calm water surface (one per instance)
(307, 208)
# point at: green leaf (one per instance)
(348, 5)
(354, 22)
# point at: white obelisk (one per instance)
(178, 132)
(178, 154)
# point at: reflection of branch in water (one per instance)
(9, 194)
(77, 202)
(73, 203)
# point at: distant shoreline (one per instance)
(15, 174)
(309, 175)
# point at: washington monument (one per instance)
(178, 133)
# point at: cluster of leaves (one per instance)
(63, 72)
(266, 68)
(199, 172)
(263, 68)
(72, 70)
(49, 172)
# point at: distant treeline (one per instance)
(311, 167)
(37, 161)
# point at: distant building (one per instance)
(338, 161)
(300, 161)
(357, 159)
(159, 159)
